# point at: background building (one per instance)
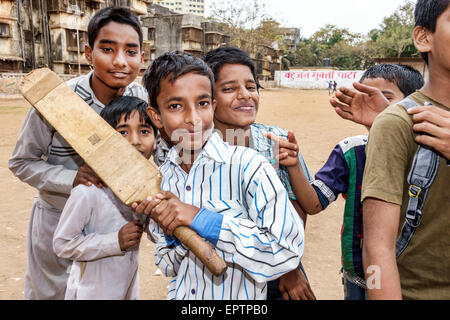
(196, 7)
(53, 34)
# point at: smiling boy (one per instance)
(229, 195)
(237, 104)
(44, 160)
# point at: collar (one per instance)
(215, 149)
(85, 83)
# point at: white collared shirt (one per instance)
(87, 233)
(245, 215)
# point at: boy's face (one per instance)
(138, 133)
(116, 56)
(236, 96)
(389, 89)
(436, 44)
(186, 110)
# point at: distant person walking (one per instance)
(334, 87)
(330, 87)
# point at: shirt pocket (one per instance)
(232, 208)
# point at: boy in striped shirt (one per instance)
(237, 105)
(343, 174)
(229, 195)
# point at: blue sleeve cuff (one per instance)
(172, 240)
(208, 224)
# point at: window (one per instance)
(71, 40)
(5, 31)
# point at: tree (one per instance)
(243, 20)
(395, 37)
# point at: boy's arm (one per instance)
(69, 241)
(27, 161)
(28, 164)
(288, 155)
(379, 255)
(389, 151)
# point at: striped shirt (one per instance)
(343, 174)
(44, 160)
(245, 215)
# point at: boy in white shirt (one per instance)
(99, 233)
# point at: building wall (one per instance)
(49, 27)
(11, 58)
(196, 7)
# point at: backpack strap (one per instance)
(421, 176)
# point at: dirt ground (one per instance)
(317, 128)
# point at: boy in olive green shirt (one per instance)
(422, 271)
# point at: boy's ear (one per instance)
(214, 103)
(422, 39)
(88, 53)
(155, 116)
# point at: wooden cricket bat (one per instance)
(130, 176)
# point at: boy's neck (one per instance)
(188, 159)
(438, 84)
(236, 136)
(103, 92)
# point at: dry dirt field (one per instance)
(307, 113)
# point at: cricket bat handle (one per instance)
(207, 255)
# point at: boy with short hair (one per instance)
(237, 104)
(99, 233)
(229, 195)
(421, 271)
(43, 159)
(343, 172)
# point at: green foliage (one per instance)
(394, 39)
(250, 27)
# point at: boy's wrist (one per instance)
(295, 167)
(207, 224)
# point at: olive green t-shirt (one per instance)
(424, 266)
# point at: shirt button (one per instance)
(193, 291)
(188, 188)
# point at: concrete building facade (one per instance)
(53, 33)
(196, 7)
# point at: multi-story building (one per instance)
(196, 7)
(168, 31)
(52, 33)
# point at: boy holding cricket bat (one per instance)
(229, 195)
(96, 230)
(43, 159)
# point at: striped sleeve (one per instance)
(168, 253)
(269, 242)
